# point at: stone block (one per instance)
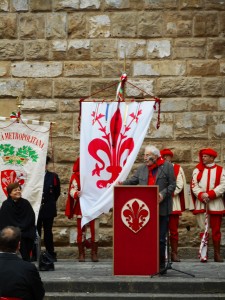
(173, 105)
(149, 24)
(160, 4)
(203, 104)
(76, 25)
(203, 68)
(140, 88)
(222, 23)
(103, 88)
(58, 50)
(98, 26)
(11, 87)
(221, 104)
(8, 26)
(7, 106)
(67, 152)
(189, 48)
(38, 88)
(123, 24)
(71, 88)
(193, 124)
(217, 131)
(63, 170)
(38, 105)
(131, 49)
(79, 49)
(32, 26)
(4, 69)
(162, 68)
(36, 50)
(11, 50)
(216, 48)
(165, 131)
(41, 5)
(37, 69)
(60, 236)
(212, 87)
(215, 5)
(87, 68)
(205, 24)
(69, 105)
(20, 5)
(102, 50)
(222, 67)
(119, 4)
(114, 68)
(68, 5)
(56, 26)
(4, 5)
(177, 24)
(90, 4)
(143, 68)
(191, 4)
(159, 49)
(179, 87)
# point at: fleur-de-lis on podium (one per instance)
(135, 214)
(113, 143)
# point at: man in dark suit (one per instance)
(157, 171)
(18, 278)
(48, 212)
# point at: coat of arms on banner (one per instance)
(135, 214)
(116, 144)
(15, 158)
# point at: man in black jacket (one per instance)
(18, 278)
(48, 212)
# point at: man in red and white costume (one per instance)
(73, 208)
(208, 187)
(180, 203)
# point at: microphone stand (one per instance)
(168, 265)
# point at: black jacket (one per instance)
(165, 179)
(19, 278)
(19, 214)
(51, 193)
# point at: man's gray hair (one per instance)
(153, 150)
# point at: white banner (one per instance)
(23, 150)
(111, 137)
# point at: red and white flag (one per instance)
(203, 249)
(111, 137)
(23, 150)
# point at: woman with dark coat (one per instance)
(17, 211)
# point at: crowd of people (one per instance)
(17, 218)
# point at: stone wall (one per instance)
(53, 52)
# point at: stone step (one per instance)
(133, 296)
(153, 285)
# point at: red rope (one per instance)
(157, 101)
(9, 124)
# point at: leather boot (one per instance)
(94, 251)
(217, 257)
(174, 246)
(81, 252)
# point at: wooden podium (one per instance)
(136, 230)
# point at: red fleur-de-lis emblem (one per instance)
(116, 145)
(135, 214)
